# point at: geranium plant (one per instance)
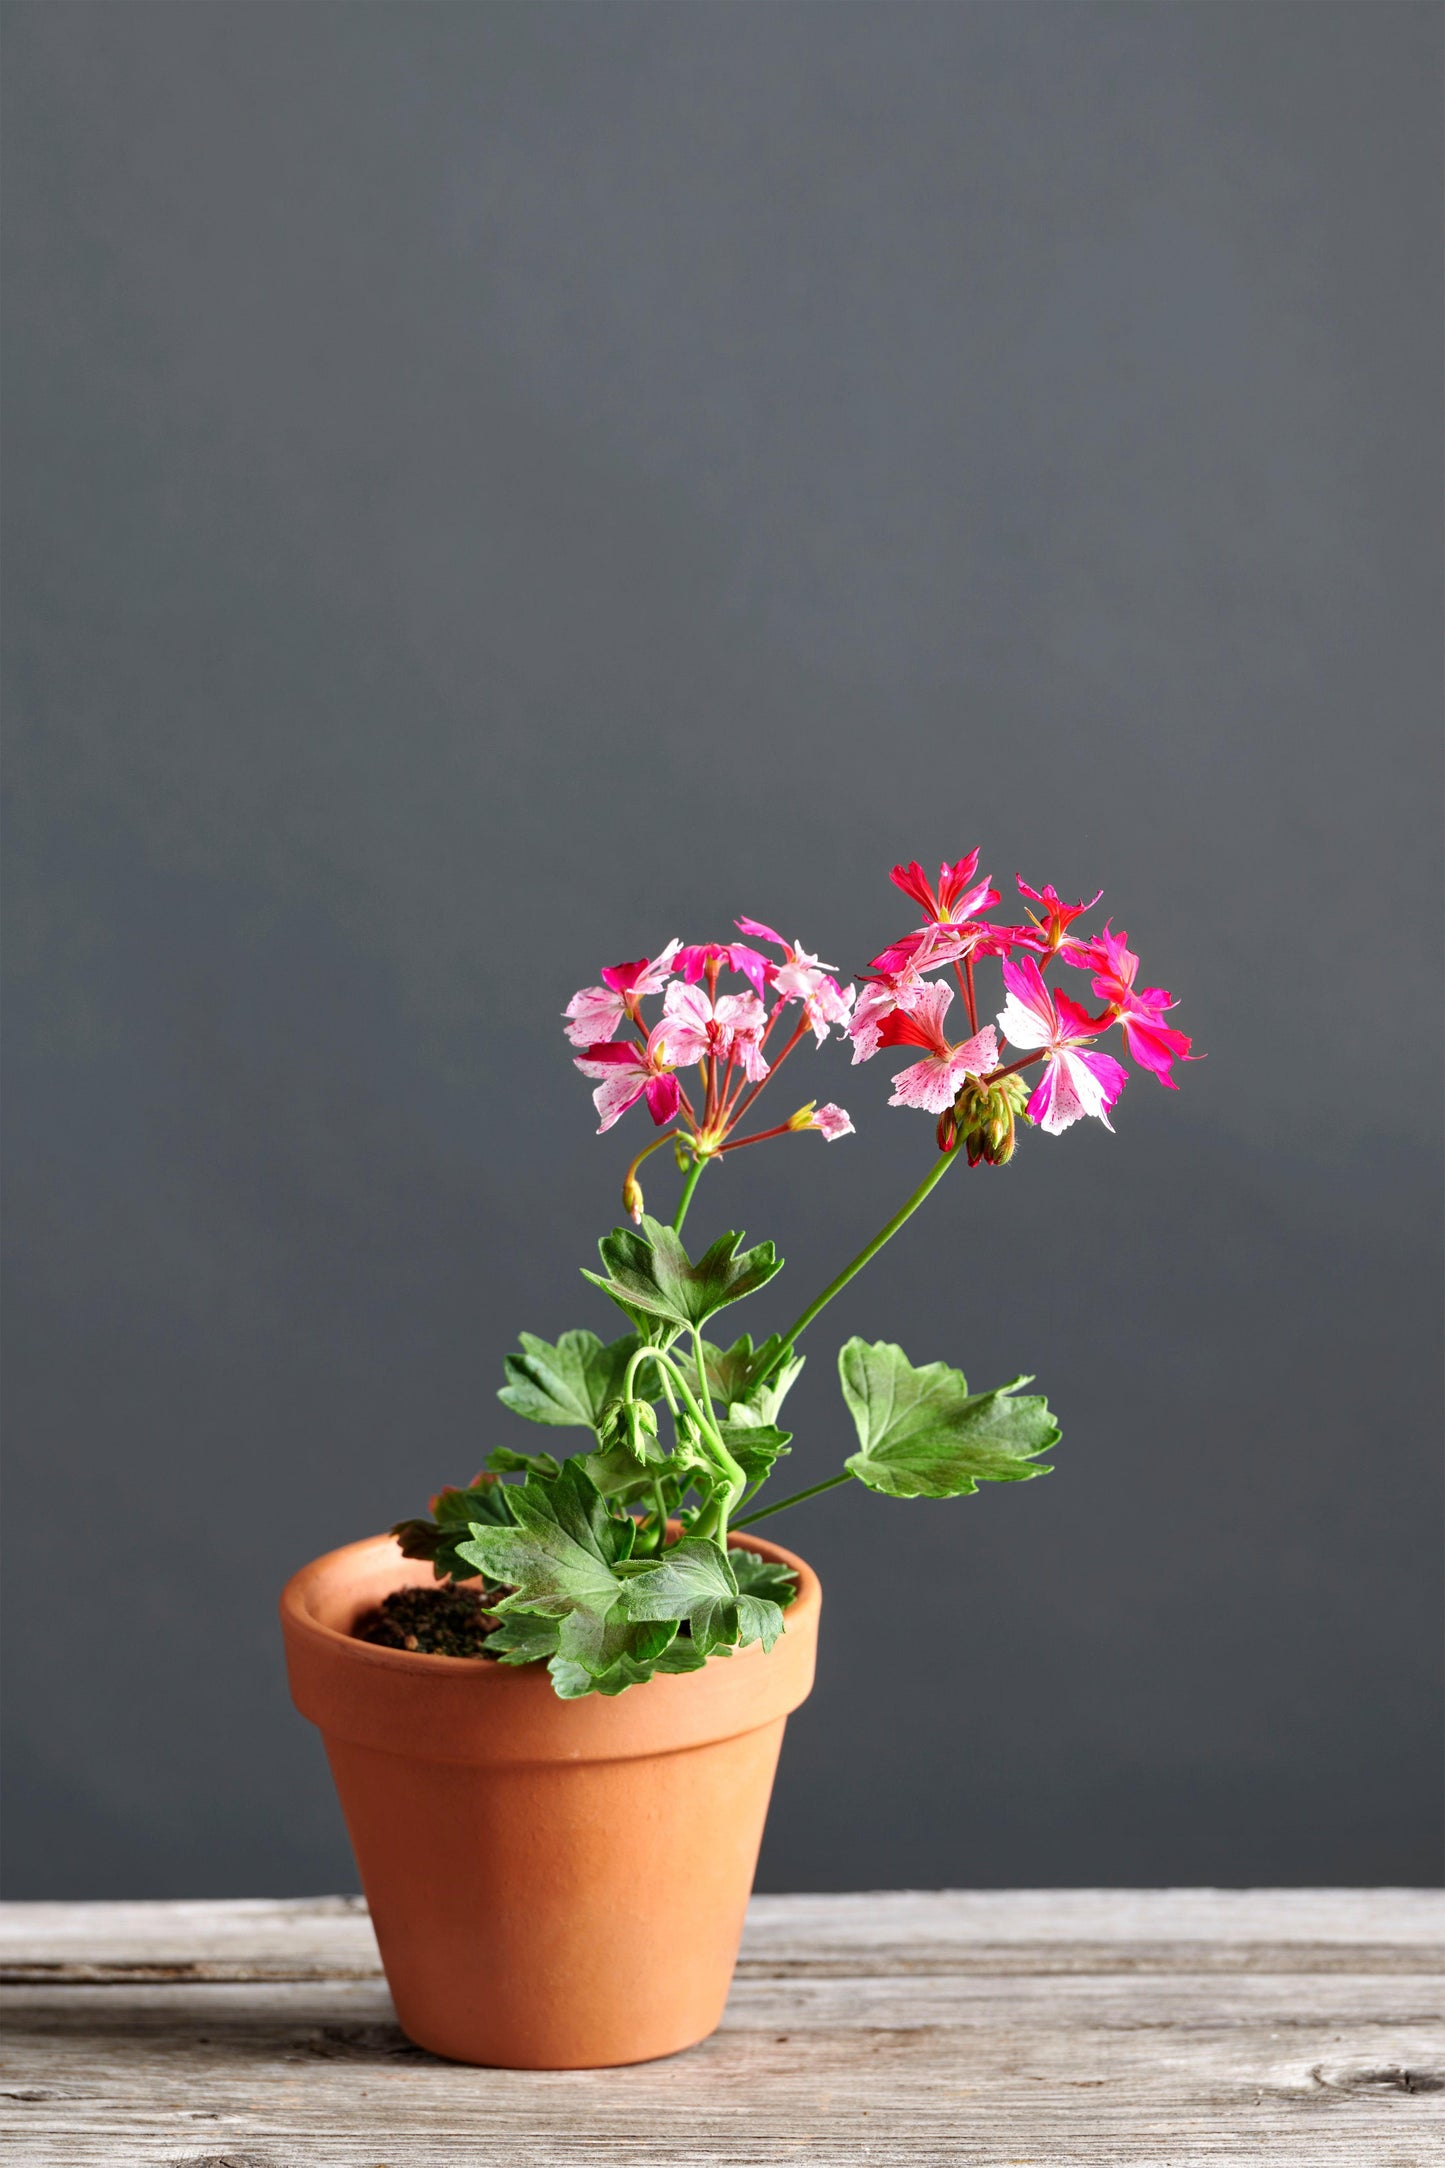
(614, 1563)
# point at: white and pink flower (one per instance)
(1075, 1082)
(804, 977)
(730, 1028)
(599, 1012)
(630, 1072)
(934, 1082)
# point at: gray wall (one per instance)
(490, 487)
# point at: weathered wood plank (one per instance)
(330, 1937)
(838, 2047)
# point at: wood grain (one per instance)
(1062, 2028)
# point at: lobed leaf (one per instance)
(754, 1446)
(650, 1275)
(569, 1382)
(924, 1435)
(752, 1383)
(694, 1583)
(560, 1553)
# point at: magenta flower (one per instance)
(1075, 1082)
(952, 931)
(933, 1083)
(834, 1122)
(1050, 933)
(599, 1012)
(954, 900)
(900, 983)
(1139, 1011)
(694, 1026)
(732, 956)
(630, 1072)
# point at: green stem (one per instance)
(659, 1506)
(694, 1174)
(796, 1500)
(870, 1250)
(722, 1459)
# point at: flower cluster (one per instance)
(900, 1005)
(723, 1036)
(965, 1083)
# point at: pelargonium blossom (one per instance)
(1139, 1011)
(935, 1082)
(630, 1072)
(804, 977)
(950, 909)
(728, 1026)
(599, 1012)
(749, 963)
(1075, 1082)
(1049, 934)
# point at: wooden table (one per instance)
(1006, 2027)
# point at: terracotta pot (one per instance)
(555, 1885)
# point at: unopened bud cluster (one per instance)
(982, 1119)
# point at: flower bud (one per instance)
(641, 1428)
(612, 1425)
(947, 1130)
(984, 1116)
(632, 1199)
(803, 1119)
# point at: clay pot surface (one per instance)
(555, 1885)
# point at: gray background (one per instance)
(490, 487)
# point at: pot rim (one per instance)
(299, 1617)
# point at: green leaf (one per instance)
(754, 1446)
(523, 1637)
(569, 1383)
(560, 1554)
(453, 1511)
(650, 1274)
(758, 1576)
(694, 1581)
(733, 1376)
(683, 1654)
(618, 1476)
(758, 1620)
(599, 1645)
(924, 1435)
(571, 1681)
(484, 1499)
(503, 1461)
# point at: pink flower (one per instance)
(1138, 1010)
(598, 1012)
(834, 1122)
(952, 931)
(693, 1026)
(1047, 935)
(630, 1072)
(900, 984)
(933, 1083)
(954, 900)
(1074, 1082)
(734, 956)
(803, 977)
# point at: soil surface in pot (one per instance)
(441, 1621)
